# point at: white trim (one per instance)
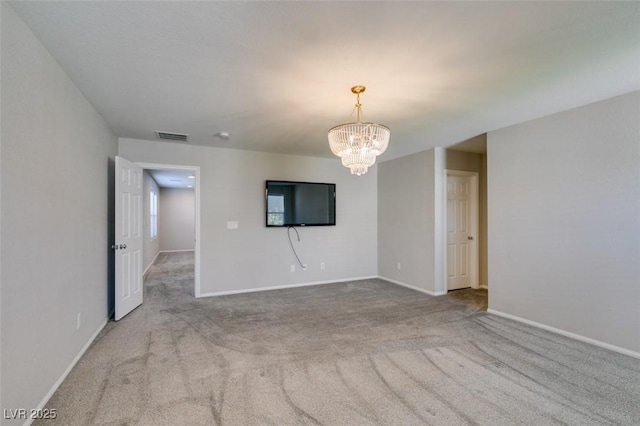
(484, 287)
(439, 223)
(197, 184)
(151, 264)
(474, 278)
(575, 336)
(280, 287)
(421, 290)
(58, 382)
(175, 251)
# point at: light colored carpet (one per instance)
(477, 297)
(357, 353)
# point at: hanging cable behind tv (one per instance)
(293, 249)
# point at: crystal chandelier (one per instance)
(358, 144)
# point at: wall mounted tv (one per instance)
(300, 203)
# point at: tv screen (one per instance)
(300, 203)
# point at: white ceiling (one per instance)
(276, 75)
(172, 178)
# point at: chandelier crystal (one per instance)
(358, 144)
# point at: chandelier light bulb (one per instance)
(358, 144)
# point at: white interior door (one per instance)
(128, 247)
(461, 245)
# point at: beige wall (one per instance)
(460, 160)
(177, 219)
(150, 247)
(57, 192)
(406, 220)
(564, 227)
(484, 220)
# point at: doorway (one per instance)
(171, 181)
(461, 224)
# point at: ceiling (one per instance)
(173, 178)
(276, 75)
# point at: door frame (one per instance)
(475, 226)
(196, 171)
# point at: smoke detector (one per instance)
(222, 135)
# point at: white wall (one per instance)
(406, 220)
(232, 184)
(564, 221)
(56, 158)
(177, 219)
(151, 246)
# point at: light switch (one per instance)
(232, 225)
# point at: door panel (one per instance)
(459, 226)
(451, 260)
(128, 247)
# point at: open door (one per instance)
(461, 220)
(128, 246)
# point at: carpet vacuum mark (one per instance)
(358, 353)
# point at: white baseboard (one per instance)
(484, 287)
(421, 290)
(575, 336)
(151, 263)
(280, 287)
(158, 254)
(58, 382)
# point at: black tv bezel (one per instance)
(266, 204)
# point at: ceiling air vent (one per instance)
(179, 137)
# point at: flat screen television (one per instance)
(300, 203)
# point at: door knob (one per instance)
(469, 237)
(114, 246)
(123, 246)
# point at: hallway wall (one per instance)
(151, 247)
(177, 219)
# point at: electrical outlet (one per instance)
(293, 268)
(78, 320)
(398, 266)
(321, 265)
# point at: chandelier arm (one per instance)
(351, 115)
